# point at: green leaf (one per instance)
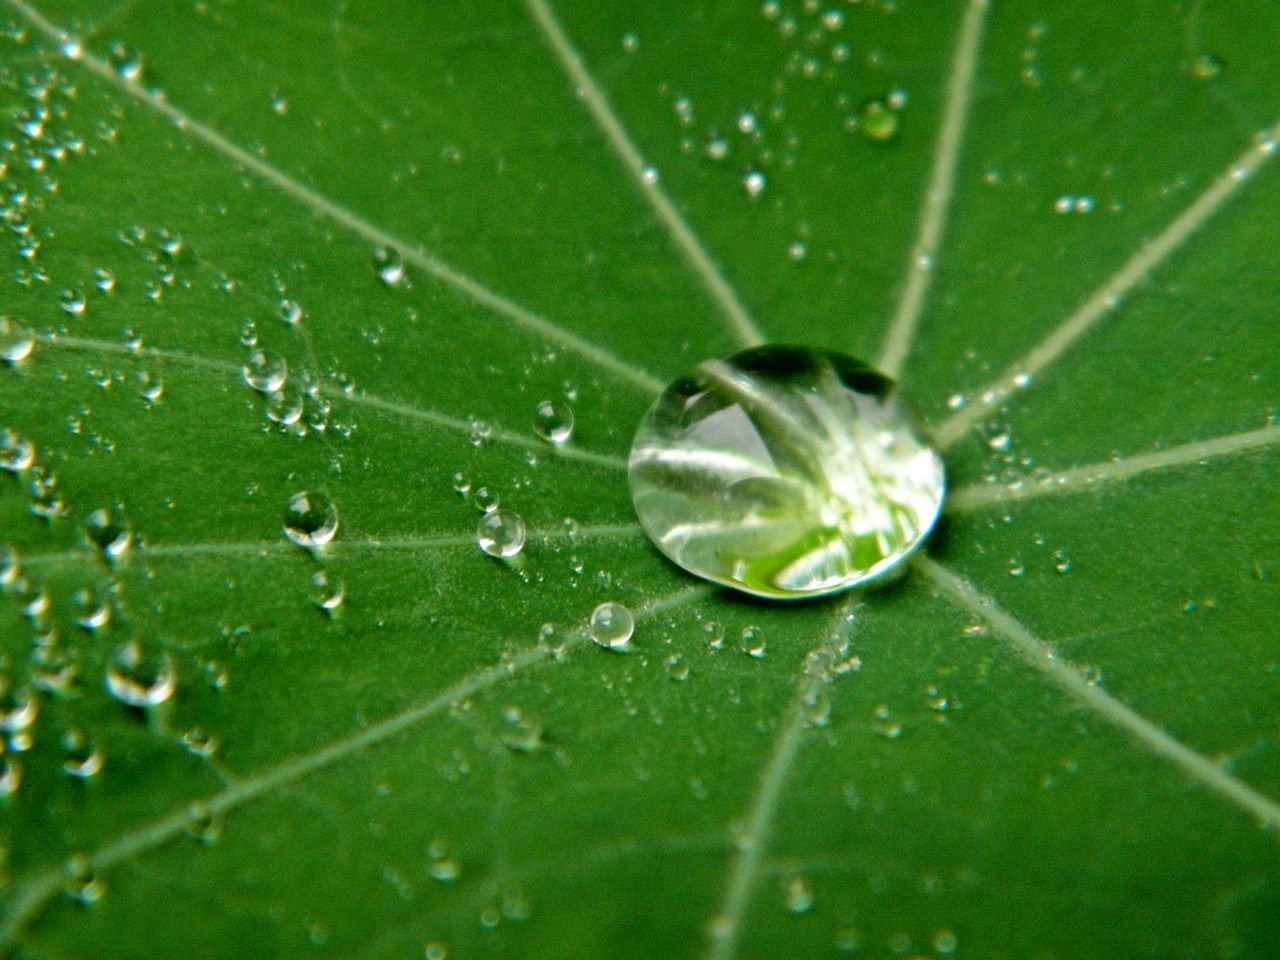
(1056, 736)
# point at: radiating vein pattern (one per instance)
(30, 896)
(1108, 297)
(806, 709)
(73, 49)
(646, 177)
(937, 197)
(1071, 680)
(1094, 475)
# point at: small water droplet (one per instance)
(714, 634)
(108, 530)
(611, 625)
(630, 42)
(755, 182)
(799, 896)
(265, 371)
(32, 597)
(203, 824)
(1206, 66)
(126, 61)
(389, 266)
(16, 340)
(200, 742)
(878, 121)
(93, 612)
(19, 708)
(10, 775)
(327, 591)
(486, 500)
(520, 733)
(945, 942)
(10, 566)
(16, 452)
(501, 533)
(435, 951)
(1061, 562)
(1016, 567)
(285, 406)
(81, 880)
(751, 642)
(83, 757)
(1091, 675)
(74, 302)
(441, 867)
(884, 723)
(310, 519)
(290, 312)
(141, 680)
(553, 421)
(462, 483)
(150, 386)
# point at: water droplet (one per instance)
(200, 742)
(10, 775)
(612, 625)
(16, 340)
(10, 566)
(1016, 567)
(389, 266)
(435, 951)
(108, 530)
(442, 868)
(945, 942)
(714, 634)
(150, 386)
(310, 519)
(203, 824)
(486, 500)
(82, 882)
(74, 302)
(755, 182)
(1206, 66)
(884, 723)
(520, 733)
(32, 597)
(141, 680)
(847, 940)
(327, 591)
(42, 492)
(265, 371)
(784, 472)
(799, 895)
(16, 452)
(462, 483)
(1061, 562)
(751, 642)
(797, 251)
(1091, 675)
(553, 421)
(501, 533)
(290, 312)
(630, 42)
(93, 612)
(19, 708)
(84, 759)
(878, 121)
(285, 406)
(126, 61)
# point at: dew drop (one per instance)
(435, 951)
(1206, 66)
(1016, 567)
(10, 775)
(16, 340)
(520, 733)
(799, 896)
(327, 591)
(389, 266)
(553, 421)
(93, 612)
(501, 533)
(16, 452)
(462, 483)
(203, 824)
(150, 386)
(310, 519)
(42, 492)
(108, 530)
(19, 708)
(945, 942)
(83, 757)
(199, 742)
(1061, 562)
(755, 182)
(10, 566)
(126, 62)
(486, 500)
(285, 406)
(265, 371)
(713, 632)
(141, 680)
(81, 881)
(611, 625)
(785, 473)
(751, 642)
(290, 312)
(878, 121)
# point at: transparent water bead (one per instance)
(784, 472)
(310, 519)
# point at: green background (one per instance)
(426, 771)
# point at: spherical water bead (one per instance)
(16, 340)
(486, 500)
(285, 406)
(389, 266)
(784, 472)
(327, 591)
(310, 519)
(10, 565)
(141, 680)
(19, 708)
(265, 371)
(10, 775)
(290, 312)
(84, 759)
(501, 533)
(879, 121)
(611, 625)
(16, 452)
(107, 529)
(553, 421)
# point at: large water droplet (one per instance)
(310, 519)
(553, 421)
(16, 340)
(501, 533)
(611, 625)
(784, 472)
(138, 679)
(388, 265)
